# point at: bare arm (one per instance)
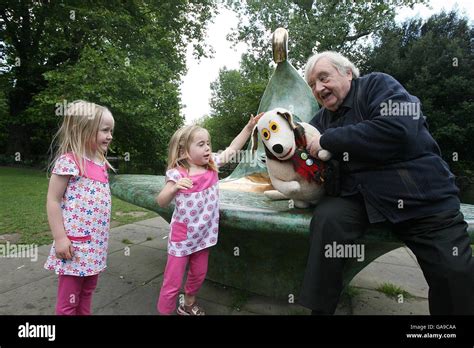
(171, 188)
(240, 140)
(56, 189)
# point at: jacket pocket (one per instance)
(178, 231)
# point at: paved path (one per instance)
(131, 283)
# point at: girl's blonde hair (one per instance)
(78, 133)
(179, 148)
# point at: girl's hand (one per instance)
(183, 184)
(63, 248)
(240, 140)
(171, 189)
(253, 122)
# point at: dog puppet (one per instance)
(293, 172)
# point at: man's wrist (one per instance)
(323, 142)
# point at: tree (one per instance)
(3, 111)
(235, 96)
(127, 55)
(312, 25)
(433, 60)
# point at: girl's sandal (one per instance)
(193, 309)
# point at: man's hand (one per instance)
(313, 146)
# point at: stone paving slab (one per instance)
(400, 257)
(160, 242)
(140, 301)
(36, 297)
(133, 233)
(213, 308)
(139, 263)
(111, 287)
(116, 245)
(411, 254)
(156, 222)
(408, 278)
(44, 250)
(17, 272)
(371, 302)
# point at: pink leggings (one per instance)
(173, 278)
(75, 294)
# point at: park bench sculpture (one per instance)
(263, 244)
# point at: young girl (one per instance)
(192, 180)
(79, 204)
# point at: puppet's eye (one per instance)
(274, 127)
(265, 134)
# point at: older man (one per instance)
(391, 173)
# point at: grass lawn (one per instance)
(23, 207)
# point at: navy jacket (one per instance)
(386, 151)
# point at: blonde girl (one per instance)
(192, 181)
(79, 204)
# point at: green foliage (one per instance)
(312, 25)
(393, 291)
(234, 98)
(23, 205)
(126, 55)
(3, 112)
(433, 60)
(140, 95)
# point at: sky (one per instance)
(195, 88)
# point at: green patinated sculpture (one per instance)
(263, 244)
(286, 89)
(271, 239)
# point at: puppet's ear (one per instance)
(254, 139)
(288, 117)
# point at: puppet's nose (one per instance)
(277, 148)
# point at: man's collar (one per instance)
(349, 100)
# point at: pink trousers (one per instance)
(75, 294)
(173, 278)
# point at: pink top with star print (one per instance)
(86, 208)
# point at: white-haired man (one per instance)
(391, 173)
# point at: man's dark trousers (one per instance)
(440, 242)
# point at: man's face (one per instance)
(328, 85)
